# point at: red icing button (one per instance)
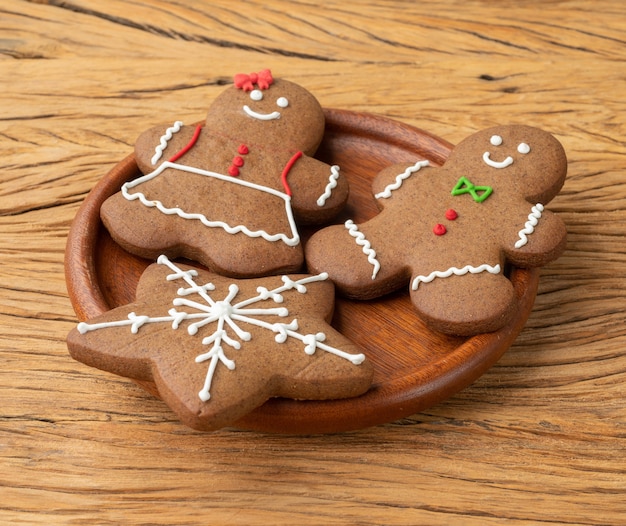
(233, 170)
(439, 229)
(243, 149)
(451, 214)
(238, 161)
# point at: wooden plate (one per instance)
(414, 367)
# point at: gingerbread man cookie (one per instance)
(217, 347)
(449, 231)
(231, 193)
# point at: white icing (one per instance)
(291, 239)
(261, 116)
(282, 102)
(228, 317)
(456, 272)
(529, 226)
(497, 164)
(332, 183)
(165, 138)
(353, 230)
(256, 95)
(523, 148)
(400, 179)
(495, 140)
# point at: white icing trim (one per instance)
(400, 179)
(227, 315)
(454, 271)
(261, 116)
(353, 230)
(529, 226)
(497, 164)
(332, 183)
(165, 138)
(292, 240)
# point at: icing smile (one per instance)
(261, 116)
(496, 140)
(497, 164)
(257, 95)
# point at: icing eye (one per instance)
(495, 140)
(256, 94)
(282, 102)
(523, 148)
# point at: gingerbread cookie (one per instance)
(231, 193)
(217, 348)
(449, 231)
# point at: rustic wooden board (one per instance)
(537, 439)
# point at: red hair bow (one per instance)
(246, 82)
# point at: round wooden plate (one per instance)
(414, 366)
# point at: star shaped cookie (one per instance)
(217, 347)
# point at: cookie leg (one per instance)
(148, 233)
(465, 304)
(138, 229)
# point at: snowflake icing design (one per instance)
(228, 316)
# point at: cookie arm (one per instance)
(160, 143)
(352, 262)
(540, 239)
(318, 190)
(394, 177)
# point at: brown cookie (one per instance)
(449, 231)
(217, 347)
(231, 193)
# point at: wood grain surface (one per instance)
(539, 439)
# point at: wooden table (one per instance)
(538, 439)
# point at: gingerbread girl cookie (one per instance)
(231, 193)
(449, 231)
(218, 347)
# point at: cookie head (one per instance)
(530, 161)
(275, 112)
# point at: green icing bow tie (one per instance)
(478, 193)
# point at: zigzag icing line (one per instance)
(158, 151)
(291, 239)
(332, 183)
(400, 179)
(529, 226)
(455, 271)
(362, 242)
